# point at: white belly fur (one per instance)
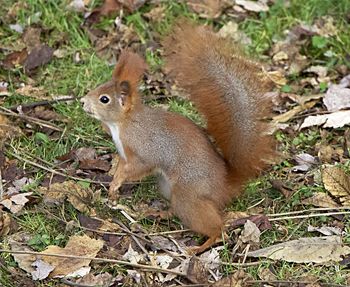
(114, 129)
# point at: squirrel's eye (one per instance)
(104, 99)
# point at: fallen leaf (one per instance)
(325, 230)
(337, 183)
(34, 92)
(18, 242)
(5, 223)
(31, 38)
(321, 199)
(305, 161)
(250, 234)
(254, 6)
(164, 243)
(320, 71)
(15, 58)
(338, 96)
(42, 271)
(39, 56)
(196, 272)
(260, 220)
(103, 279)
(325, 153)
(230, 31)
(285, 190)
(78, 5)
(237, 279)
(132, 256)
(76, 245)
(81, 198)
(95, 164)
(305, 250)
(16, 27)
(209, 9)
(7, 130)
(267, 275)
(18, 185)
(291, 113)
(333, 120)
(16, 202)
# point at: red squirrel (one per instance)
(199, 171)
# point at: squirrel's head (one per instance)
(111, 100)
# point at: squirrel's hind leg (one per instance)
(198, 213)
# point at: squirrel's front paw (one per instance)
(113, 192)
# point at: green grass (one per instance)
(65, 77)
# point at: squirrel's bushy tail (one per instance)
(228, 90)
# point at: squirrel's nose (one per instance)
(82, 100)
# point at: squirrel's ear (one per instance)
(130, 67)
(124, 90)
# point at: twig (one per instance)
(293, 282)
(1, 187)
(169, 232)
(133, 235)
(41, 103)
(97, 259)
(54, 171)
(43, 123)
(75, 284)
(309, 215)
(307, 210)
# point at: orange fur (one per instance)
(198, 58)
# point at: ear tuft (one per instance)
(130, 67)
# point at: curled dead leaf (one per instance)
(337, 183)
(76, 245)
(306, 250)
(81, 198)
(320, 199)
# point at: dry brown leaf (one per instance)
(81, 198)
(306, 250)
(236, 279)
(277, 78)
(39, 56)
(291, 113)
(7, 130)
(102, 279)
(15, 58)
(337, 183)
(18, 242)
(78, 246)
(16, 202)
(34, 92)
(31, 38)
(320, 199)
(5, 223)
(254, 6)
(251, 233)
(338, 95)
(208, 8)
(333, 120)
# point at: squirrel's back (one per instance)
(228, 90)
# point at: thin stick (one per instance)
(1, 187)
(97, 259)
(55, 171)
(308, 210)
(292, 282)
(41, 103)
(169, 232)
(309, 215)
(30, 119)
